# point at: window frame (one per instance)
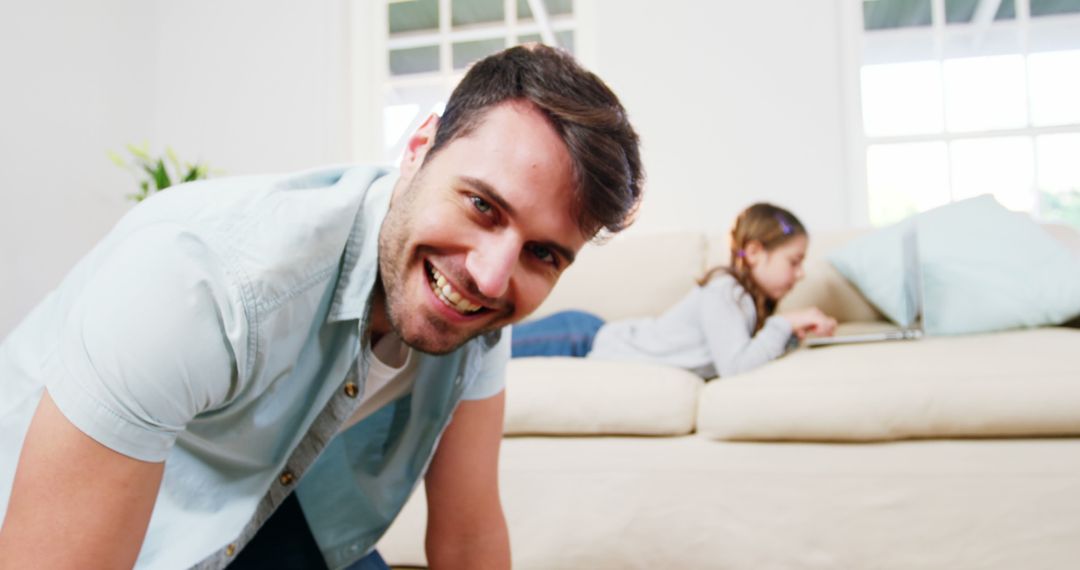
(854, 54)
(371, 69)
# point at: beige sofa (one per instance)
(950, 453)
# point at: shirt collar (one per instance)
(360, 262)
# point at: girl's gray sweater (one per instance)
(708, 332)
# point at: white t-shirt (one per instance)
(390, 375)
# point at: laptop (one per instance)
(913, 298)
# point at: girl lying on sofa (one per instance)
(724, 326)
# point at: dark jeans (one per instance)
(285, 542)
(568, 333)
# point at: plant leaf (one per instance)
(171, 155)
(117, 159)
(192, 174)
(156, 173)
(141, 153)
(161, 176)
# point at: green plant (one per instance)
(156, 173)
(1062, 206)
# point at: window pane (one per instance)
(1059, 177)
(959, 11)
(397, 120)
(1059, 162)
(565, 39)
(962, 11)
(1051, 7)
(1062, 207)
(465, 12)
(882, 14)
(1001, 166)
(902, 98)
(554, 8)
(467, 52)
(903, 179)
(405, 109)
(1055, 88)
(985, 93)
(413, 15)
(969, 41)
(414, 60)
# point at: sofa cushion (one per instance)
(1018, 383)
(685, 503)
(631, 276)
(564, 396)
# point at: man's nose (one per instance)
(492, 263)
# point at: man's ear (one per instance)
(417, 147)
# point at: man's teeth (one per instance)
(448, 295)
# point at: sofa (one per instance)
(955, 452)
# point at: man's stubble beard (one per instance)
(390, 281)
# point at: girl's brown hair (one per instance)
(770, 225)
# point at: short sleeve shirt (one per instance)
(214, 329)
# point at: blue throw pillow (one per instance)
(875, 265)
(984, 268)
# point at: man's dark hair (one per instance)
(585, 113)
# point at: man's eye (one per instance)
(480, 204)
(544, 254)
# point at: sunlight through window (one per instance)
(985, 93)
(898, 188)
(1055, 87)
(958, 102)
(902, 98)
(1002, 166)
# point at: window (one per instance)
(966, 97)
(431, 44)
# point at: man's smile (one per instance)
(449, 295)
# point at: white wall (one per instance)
(246, 85)
(735, 101)
(253, 85)
(77, 79)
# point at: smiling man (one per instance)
(257, 372)
(485, 238)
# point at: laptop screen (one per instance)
(913, 290)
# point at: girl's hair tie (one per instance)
(785, 226)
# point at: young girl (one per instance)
(722, 327)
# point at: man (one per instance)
(316, 343)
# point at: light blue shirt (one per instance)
(218, 328)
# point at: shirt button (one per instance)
(230, 550)
(351, 389)
(287, 478)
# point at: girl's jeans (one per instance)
(568, 333)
